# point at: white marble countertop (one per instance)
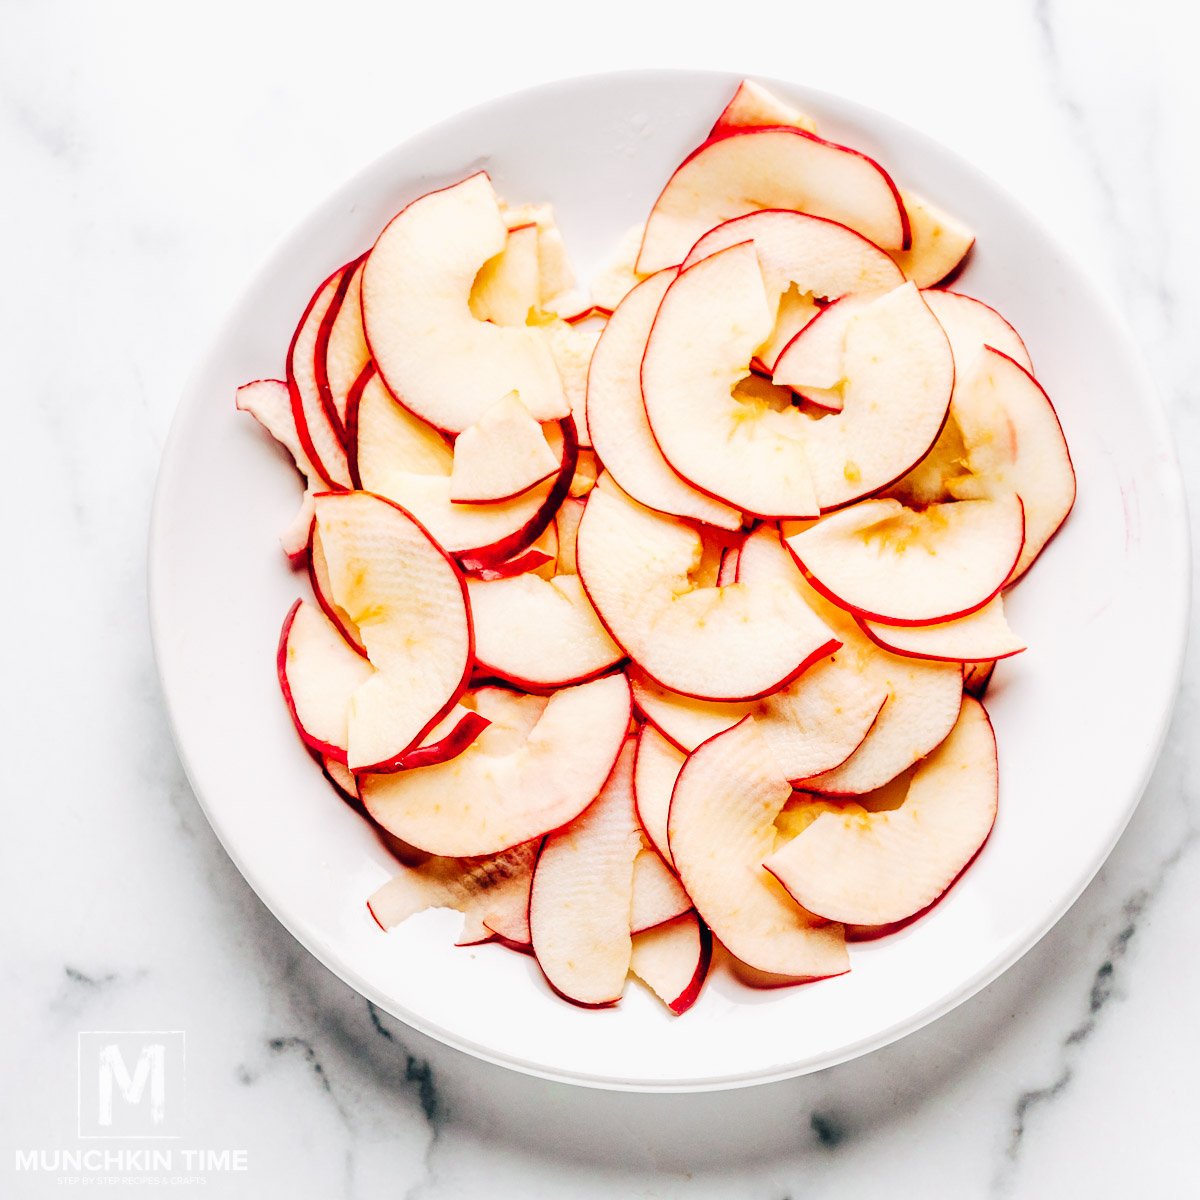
(153, 155)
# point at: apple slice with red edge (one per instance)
(502, 455)
(655, 769)
(408, 601)
(879, 868)
(342, 779)
(505, 291)
(721, 829)
(673, 960)
(399, 456)
(753, 107)
(981, 636)
(479, 888)
(341, 351)
(319, 674)
(970, 324)
(744, 170)
(318, 576)
(315, 424)
(495, 795)
(732, 643)
(940, 242)
(1014, 443)
(579, 905)
(269, 403)
(901, 566)
(684, 721)
(658, 896)
(621, 432)
(536, 633)
(431, 351)
(814, 365)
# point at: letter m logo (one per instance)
(130, 1083)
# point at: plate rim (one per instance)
(1175, 508)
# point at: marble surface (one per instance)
(152, 156)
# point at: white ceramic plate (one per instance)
(1079, 717)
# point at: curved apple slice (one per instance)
(721, 829)
(655, 770)
(877, 868)
(409, 603)
(749, 169)
(580, 901)
(672, 960)
(885, 562)
(322, 441)
(978, 637)
(814, 365)
(457, 730)
(736, 642)
(505, 291)
(620, 430)
(318, 577)
(814, 255)
(970, 325)
(399, 456)
(753, 107)
(319, 674)
(480, 888)
(269, 403)
(684, 721)
(658, 896)
(502, 455)
(940, 242)
(445, 365)
(535, 633)
(499, 793)
(1014, 443)
(341, 352)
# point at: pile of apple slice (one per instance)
(662, 612)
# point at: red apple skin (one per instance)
(326, 604)
(521, 565)
(863, 615)
(320, 350)
(929, 657)
(498, 554)
(313, 744)
(395, 763)
(451, 746)
(718, 135)
(302, 431)
(691, 993)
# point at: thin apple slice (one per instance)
(320, 437)
(582, 887)
(457, 730)
(409, 603)
(505, 291)
(621, 432)
(814, 365)
(496, 795)
(749, 169)
(885, 562)
(319, 674)
(479, 888)
(556, 277)
(970, 325)
(431, 351)
(658, 896)
(341, 351)
(655, 770)
(269, 403)
(976, 677)
(817, 257)
(978, 637)
(721, 829)
(538, 634)
(572, 347)
(342, 779)
(878, 868)
(683, 720)
(399, 456)
(1014, 443)
(940, 242)
(672, 960)
(737, 448)
(502, 455)
(753, 107)
(318, 576)
(794, 313)
(730, 643)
